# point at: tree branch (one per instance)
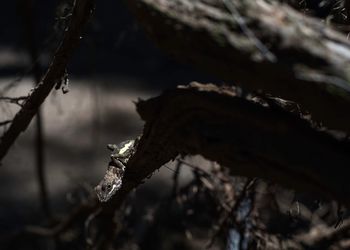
(81, 13)
(250, 139)
(247, 137)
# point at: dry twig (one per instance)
(81, 13)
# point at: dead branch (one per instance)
(250, 139)
(3, 123)
(81, 13)
(262, 45)
(13, 99)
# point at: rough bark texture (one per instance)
(250, 139)
(262, 45)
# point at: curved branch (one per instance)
(247, 137)
(250, 139)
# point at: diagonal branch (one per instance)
(81, 12)
(250, 139)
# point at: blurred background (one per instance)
(114, 65)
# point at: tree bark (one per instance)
(247, 137)
(261, 45)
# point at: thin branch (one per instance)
(230, 217)
(176, 180)
(81, 12)
(26, 11)
(16, 100)
(230, 5)
(3, 123)
(13, 99)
